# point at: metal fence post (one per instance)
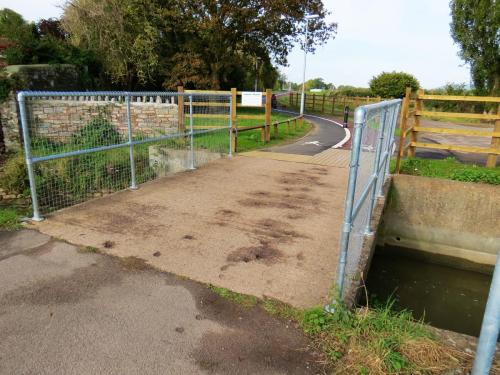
(28, 156)
(133, 184)
(378, 153)
(359, 120)
(231, 126)
(490, 327)
(191, 134)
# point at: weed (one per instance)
(10, 218)
(241, 299)
(89, 249)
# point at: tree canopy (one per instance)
(393, 85)
(195, 43)
(475, 28)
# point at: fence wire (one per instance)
(84, 145)
(372, 147)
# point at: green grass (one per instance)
(450, 169)
(10, 218)
(251, 140)
(238, 298)
(363, 341)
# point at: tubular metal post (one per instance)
(490, 327)
(359, 120)
(231, 127)
(378, 152)
(27, 153)
(133, 184)
(191, 134)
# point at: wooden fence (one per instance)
(410, 127)
(329, 103)
(265, 126)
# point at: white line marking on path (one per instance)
(347, 131)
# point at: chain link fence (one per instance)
(372, 148)
(82, 145)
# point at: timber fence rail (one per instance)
(411, 128)
(331, 104)
(237, 117)
(82, 145)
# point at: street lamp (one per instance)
(302, 98)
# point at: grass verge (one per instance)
(251, 140)
(365, 341)
(450, 169)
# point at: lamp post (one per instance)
(256, 73)
(302, 98)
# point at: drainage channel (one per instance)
(443, 292)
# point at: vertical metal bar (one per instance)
(191, 133)
(390, 143)
(378, 152)
(133, 184)
(28, 157)
(359, 121)
(490, 327)
(230, 126)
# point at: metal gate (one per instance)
(81, 145)
(372, 147)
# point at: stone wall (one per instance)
(9, 125)
(58, 119)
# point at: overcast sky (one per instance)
(373, 36)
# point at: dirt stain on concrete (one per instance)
(265, 252)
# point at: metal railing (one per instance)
(81, 145)
(490, 327)
(372, 147)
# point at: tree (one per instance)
(474, 27)
(393, 85)
(316, 83)
(198, 43)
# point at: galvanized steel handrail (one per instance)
(388, 112)
(32, 160)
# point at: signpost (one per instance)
(251, 99)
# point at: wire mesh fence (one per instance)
(372, 147)
(83, 145)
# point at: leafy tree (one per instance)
(475, 28)
(196, 43)
(393, 85)
(44, 42)
(316, 83)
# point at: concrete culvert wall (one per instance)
(442, 217)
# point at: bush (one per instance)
(393, 85)
(14, 177)
(353, 91)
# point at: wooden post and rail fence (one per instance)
(329, 103)
(411, 127)
(265, 126)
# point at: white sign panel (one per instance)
(251, 99)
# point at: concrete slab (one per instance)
(255, 226)
(65, 312)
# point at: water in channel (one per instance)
(445, 297)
